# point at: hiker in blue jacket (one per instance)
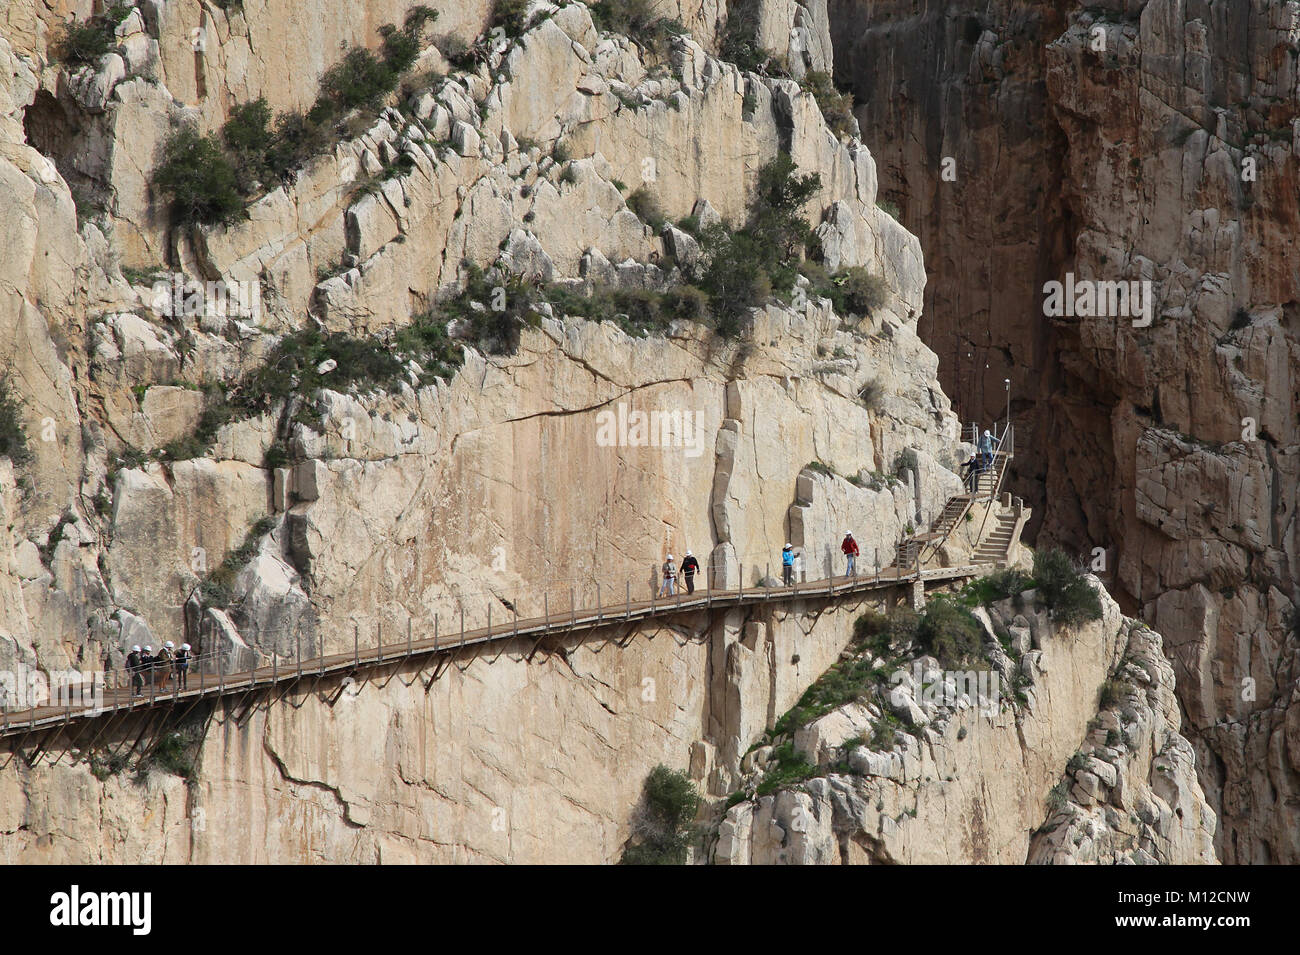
(787, 565)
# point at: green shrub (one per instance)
(298, 137)
(1062, 588)
(688, 302)
(785, 768)
(836, 107)
(87, 41)
(873, 631)
(862, 292)
(638, 20)
(248, 138)
(402, 46)
(511, 16)
(13, 436)
(643, 203)
(905, 461)
(998, 585)
(661, 826)
(733, 276)
(951, 634)
(359, 79)
(210, 181)
(740, 41)
(199, 180)
(1112, 691)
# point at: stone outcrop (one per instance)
(940, 792)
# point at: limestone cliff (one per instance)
(1125, 140)
(555, 156)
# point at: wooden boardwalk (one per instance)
(116, 701)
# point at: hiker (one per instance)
(162, 664)
(669, 586)
(690, 567)
(133, 668)
(787, 565)
(850, 548)
(970, 473)
(986, 448)
(183, 657)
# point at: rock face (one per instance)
(520, 483)
(1148, 141)
(509, 760)
(516, 485)
(941, 793)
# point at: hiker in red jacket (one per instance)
(850, 549)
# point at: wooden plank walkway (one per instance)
(206, 684)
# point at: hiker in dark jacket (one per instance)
(133, 663)
(183, 657)
(690, 567)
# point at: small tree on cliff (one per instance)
(661, 822)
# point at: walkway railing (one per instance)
(205, 679)
(211, 671)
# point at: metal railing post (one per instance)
(408, 636)
(599, 613)
(742, 580)
(297, 651)
(379, 640)
(462, 625)
(356, 645)
(573, 609)
(628, 615)
(435, 629)
(546, 611)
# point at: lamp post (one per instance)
(1007, 382)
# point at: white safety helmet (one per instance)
(787, 546)
(185, 646)
(848, 533)
(148, 649)
(670, 556)
(689, 554)
(169, 645)
(136, 648)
